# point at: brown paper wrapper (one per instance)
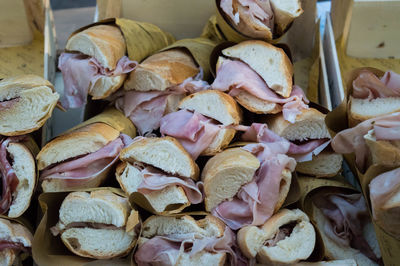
(142, 38)
(212, 31)
(137, 198)
(48, 249)
(200, 48)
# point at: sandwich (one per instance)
(26, 102)
(347, 262)
(95, 224)
(18, 175)
(345, 227)
(264, 19)
(16, 240)
(204, 125)
(258, 76)
(94, 63)
(160, 174)
(81, 158)
(373, 141)
(182, 240)
(384, 192)
(285, 239)
(247, 185)
(373, 96)
(309, 142)
(156, 87)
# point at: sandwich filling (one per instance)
(77, 170)
(16, 246)
(368, 86)
(283, 232)
(156, 180)
(59, 229)
(8, 103)
(347, 215)
(166, 250)
(236, 77)
(193, 130)
(81, 72)
(8, 176)
(383, 128)
(145, 109)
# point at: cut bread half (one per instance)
(81, 141)
(325, 164)
(106, 85)
(257, 105)
(364, 109)
(220, 107)
(130, 177)
(164, 153)
(284, 13)
(23, 164)
(26, 102)
(383, 152)
(297, 242)
(103, 42)
(270, 62)
(162, 70)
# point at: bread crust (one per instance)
(103, 42)
(250, 102)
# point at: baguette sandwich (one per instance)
(185, 241)
(309, 142)
(18, 175)
(93, 225)
(246, 186)
(15, 240)
(202, 125)
(81, 158)
(285, 239)
(265, 19)
(373, 96)
(156, 87)
(159, 171)
(26, 102)
(345, 226)
(259, 76)
(94, 63)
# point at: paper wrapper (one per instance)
(142, 38)
(49, 250)
(200, 48)
(212, 31)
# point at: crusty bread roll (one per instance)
(31, 101)
(107, 44)
(162, 70)
(15, 233)
(99, 207)
(294, 245)
(257, 105)
(81, 141)
(270, 62)
(167, 226)
(166, 154)
(218, 106)
(325, 164)
(383, 152)
(284, 13)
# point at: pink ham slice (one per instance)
(145, 109)
(347, 215)
(4, 244)
(84, 168)
(194, 131)
(7, 104)
(165, 250)
(255, 202)
(235, 76)
(369, 86)
(80, 73)
(9, 178)
(352, 140)
(155, 180)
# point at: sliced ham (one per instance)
(255, 202)
(5, 244)
(165, 250)
(235, 76)
(9, 178)
(55, 230)
(80, 73)
(154, 180)
(145, 109)
(347, 215)
(194, 131)
(7, 104)
(352, 139)
(283, 232)
(368, 86)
